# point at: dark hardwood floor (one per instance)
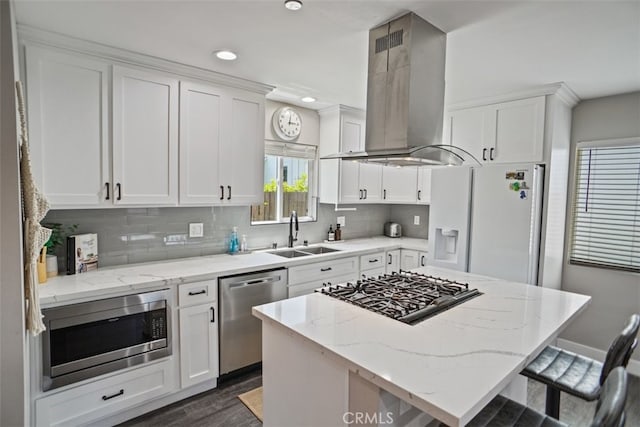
(219, 407)
(222, 408)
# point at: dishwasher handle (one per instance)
(252, 282)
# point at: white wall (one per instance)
(12, 336)
(615, 294)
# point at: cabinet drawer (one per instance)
(322, 271)
(374, 272)
(102, 398)
(308, 288)
(197, 293)
(371, 261)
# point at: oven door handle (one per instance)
(112, 314)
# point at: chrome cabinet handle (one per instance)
(120, 393)
(119, 187)
(191, 293)
(222, 192)
(326, 269)
(107, 185)
(491, 153)
(213, 315)
(229, 196)
(484, 154)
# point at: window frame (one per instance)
(581, 145)
(312, 180)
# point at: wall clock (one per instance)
(287, 123)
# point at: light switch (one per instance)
(196, 229)
(416, 220)
(342, 221)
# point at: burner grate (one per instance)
(405, 296)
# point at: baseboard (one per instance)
(595, 353)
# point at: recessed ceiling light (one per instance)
(225, 55)
(308, 99)
(293, 4)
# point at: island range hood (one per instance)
(405, 97)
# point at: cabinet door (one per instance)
(351, 134)
(399, 184)
(519, 131)
(200, 138)
(409, 260)
(145, 137)
(350, 191)
(242, 155)
(67, 98)
(466, 130)
(198, 344)
(424, 186)
(371, 182)
(393, 261)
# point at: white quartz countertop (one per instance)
(450, 365)
(114, 280)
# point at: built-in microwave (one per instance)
(92, 338)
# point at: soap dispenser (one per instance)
(233, 241)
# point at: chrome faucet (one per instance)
(292, 239)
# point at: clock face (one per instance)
(287, 123)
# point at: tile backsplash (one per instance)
(133, 235)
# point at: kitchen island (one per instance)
(327, 362)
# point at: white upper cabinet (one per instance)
(508, 132)
(519, 131)
(399, 184)
(200, 140)
(424, 186)
(360, 182)
(371, 182)
(352, 131)
(145, 137)
(68, 112)
(242, 156)
(349, 181)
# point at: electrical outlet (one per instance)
(342, 221)
(416, 220)
(196, 229)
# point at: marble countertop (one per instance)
(450, 365)
(110, 281)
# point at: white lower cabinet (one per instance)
(303, 279)
(372, 265)
(410, 259)
(198, 333)
(98, 399)
(392, 259)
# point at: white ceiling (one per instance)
(493, 47)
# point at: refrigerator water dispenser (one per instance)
(446, 248)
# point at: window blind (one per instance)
(606, 210)
(285, 149)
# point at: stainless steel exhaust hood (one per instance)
(405, 97)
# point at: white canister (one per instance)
(52, 265)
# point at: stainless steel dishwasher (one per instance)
(240, 332)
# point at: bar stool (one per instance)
(578, 375)
(503, 412)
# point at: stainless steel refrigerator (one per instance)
(487, 220)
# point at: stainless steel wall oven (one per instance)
(92, 338)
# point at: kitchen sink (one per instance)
(290, 253)
(295, 253)
(317, 250)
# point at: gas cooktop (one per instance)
(405, 296)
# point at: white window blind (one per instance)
(606, 217)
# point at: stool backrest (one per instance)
(621, 348)
(610, 407)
